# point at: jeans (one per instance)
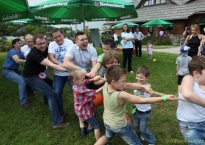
(126, 133)
(193, 132)
(59, 83)
(50, 83)
(42, 86)
(140, 121)
(15, 76)
(127, 56)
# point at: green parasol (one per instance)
(85, 10)
(157, 23)
(17, 9)
(37, 22)
(13, 9)
(28, 21)
(130, 24)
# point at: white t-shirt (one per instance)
(25, 50)
(59, 53)
(115, 37)
(142, 107)
(191, 112)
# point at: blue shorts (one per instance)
(93, 122)
(126, 133)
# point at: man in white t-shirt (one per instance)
(115, 36)
(56, 52)
(25, 50)
(29, 44)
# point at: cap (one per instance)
(184, 48)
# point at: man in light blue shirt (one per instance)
(138, 45)
(81, 56)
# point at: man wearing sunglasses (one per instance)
(34, 76)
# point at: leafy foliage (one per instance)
(5, 45)
(165, 40)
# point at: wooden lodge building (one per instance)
(181, 13)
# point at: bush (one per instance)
(106, 36)
(165, 40)
(5, 45)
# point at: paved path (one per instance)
(174, 50)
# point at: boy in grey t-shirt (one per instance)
(182, 64)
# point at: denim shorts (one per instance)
(126, 133)
(193, 132)
(93, 122)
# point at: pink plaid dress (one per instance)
(83, 101)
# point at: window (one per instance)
(160, 1)
(149, 2)
(154, 2)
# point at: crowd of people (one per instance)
(88, 75)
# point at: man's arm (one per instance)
(53, 59)
(48, 63)
(67, 63)
(96, 67)
(92, 73)
(142, 36)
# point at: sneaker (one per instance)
(83, 132)
(131, 71)
(142, 138)
(60, 126)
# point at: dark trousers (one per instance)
(138, 48)
(127, 56)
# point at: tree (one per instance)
(3, 28)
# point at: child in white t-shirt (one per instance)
(141, 112)
(191, 115)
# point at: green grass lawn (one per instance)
(32, 126)
(159, 46)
